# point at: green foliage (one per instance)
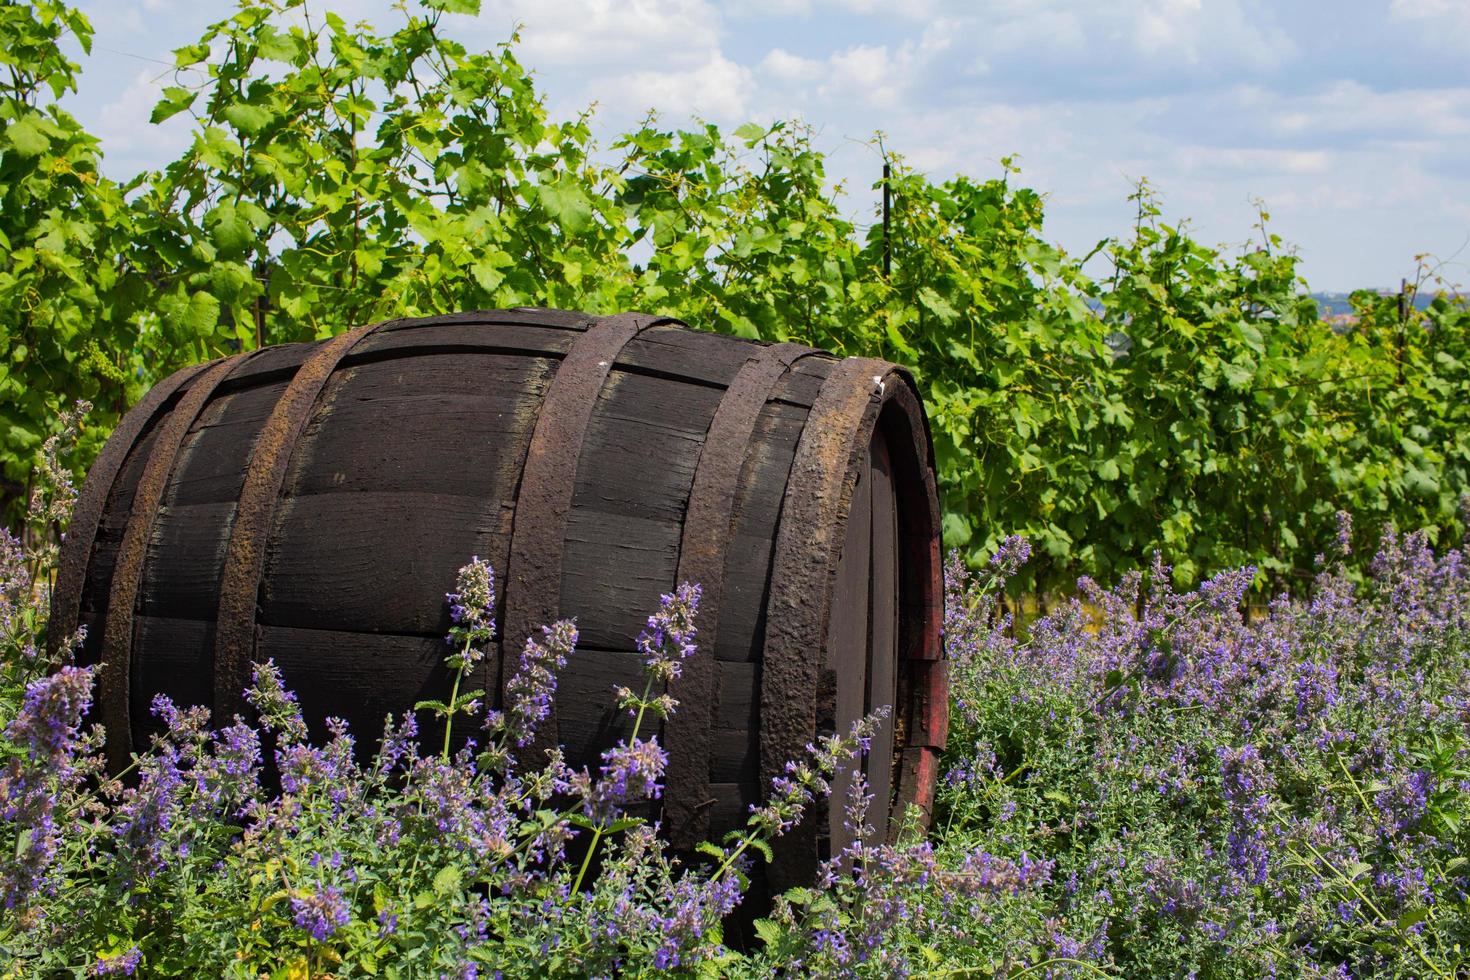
(1190, 401)
(67, 287)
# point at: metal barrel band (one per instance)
(127, 577)
(702, 551)
(532, 581)
(813, 511)
(81, 535)
(265, 474)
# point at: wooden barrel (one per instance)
(311, 503)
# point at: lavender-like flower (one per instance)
(277, 706)
(528, 694)
(1013, 553)
(320, 912)
(630, 774)
(1246, 783)
(46, 728)
(120, 964)
(668, 639)
(472, 612)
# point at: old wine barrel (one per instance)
(311, 503)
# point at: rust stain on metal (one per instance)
(265, 473)
(702, 551)
(532, 586)
(127, 577)
(76, 549)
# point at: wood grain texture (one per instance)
(847, 644)
(412, 459)
(882, 652)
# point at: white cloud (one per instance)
(129, 141)
(594, 33)
(1452, 14)
(1251, 161)
(719, 89)
(787, 67)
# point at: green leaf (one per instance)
(938, 305)
(175, 100)
(229, 230)
(625, 823)
(957, 530)
(568, 205)
(1413, 917)
(28, 136)
(447, 881)
(248, 119)
(768, 932)
(190, 318)
(751, 133)
(190, 54)
(471, 7)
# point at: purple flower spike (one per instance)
(277, 706)
(320, 913)
(668, 639)
(630, 774)
(528, 694)
(48, 720)
(46, 727)
(123, 964)
(472, 611)
(1013, 552)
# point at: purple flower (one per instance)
(630, 774)
(278, 709)
(321, 912)
(668, 638)
(121, 963)
(1013, 553)
(528, 694)
(472, 611)
(46, 728)
(1246, 784)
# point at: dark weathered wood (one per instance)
(208, 468)
(882, 651)
(847, 645)
(532, 584)
(127, 575)
(703, 550)
(466, 338)
(392, 555)
(76, 549)
(686, 356)
(814, 511)
(416, 452)
(753, 531)
(245, 555)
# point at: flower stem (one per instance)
(454, 697)
(597, 831)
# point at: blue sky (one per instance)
(1350, 119)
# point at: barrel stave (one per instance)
(410, 459)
